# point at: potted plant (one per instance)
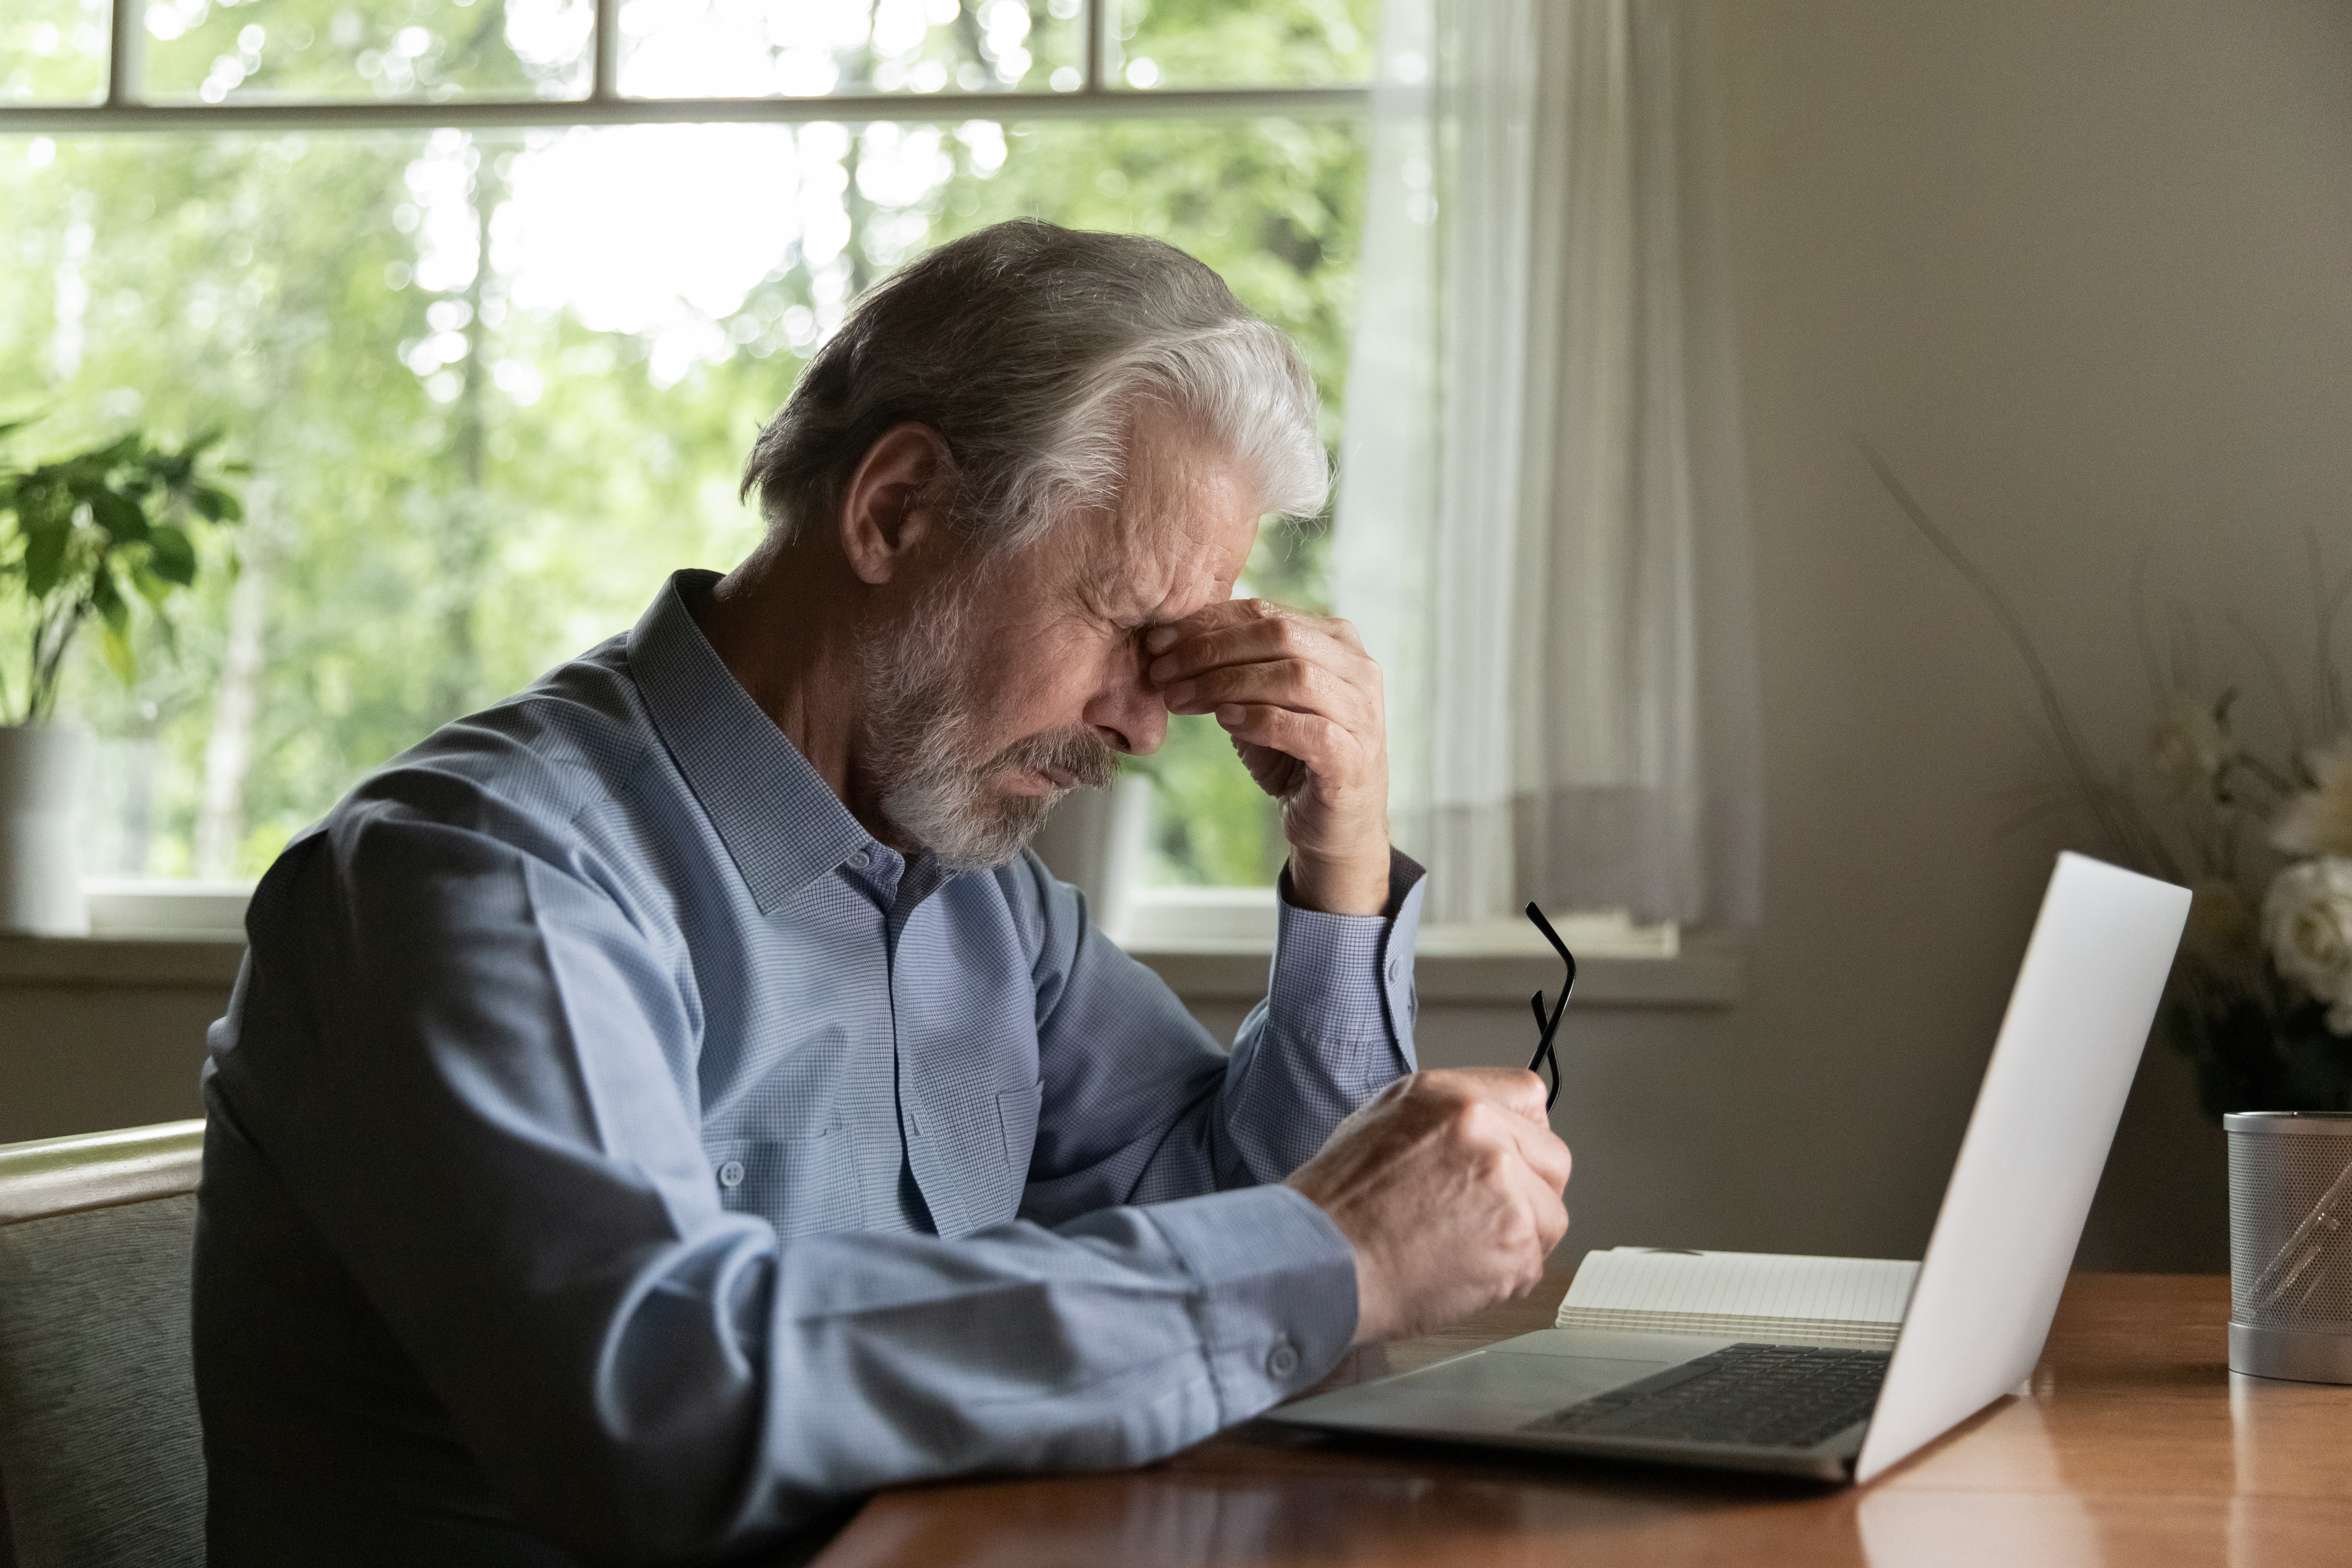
(97, 537)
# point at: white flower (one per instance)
(2319, 820)
(2189, 745)
(2307, 923)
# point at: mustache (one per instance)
(1081, 754)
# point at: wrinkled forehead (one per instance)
(1179, 534)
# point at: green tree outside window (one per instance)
(472, 457)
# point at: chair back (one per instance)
(101, 1458)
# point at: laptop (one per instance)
(1979, 1309)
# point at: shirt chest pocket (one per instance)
(1016, 1119)
(802, 1186)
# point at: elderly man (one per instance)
(671, 1103)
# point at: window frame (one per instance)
(1097, 97)
(164, 906)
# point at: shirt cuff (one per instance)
(1350, 975)
(1277, 1300)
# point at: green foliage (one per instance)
(101, 533)
(51, 51)
(1243, 43)
(444, 50)
(299, 49)
(457, 483)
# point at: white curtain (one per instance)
(1541, 527)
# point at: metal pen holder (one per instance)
(2291, 1244)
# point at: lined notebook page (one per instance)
(1740, 1295)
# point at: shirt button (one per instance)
(860, 861)
(730, 1174)
(1282, 1360)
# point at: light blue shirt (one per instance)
(611, 1143)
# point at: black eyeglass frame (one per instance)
(1547, 1028)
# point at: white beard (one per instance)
(923, 702)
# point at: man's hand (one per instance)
(1302, 700)
(1448, 1186)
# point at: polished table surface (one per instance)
(2136, 1446)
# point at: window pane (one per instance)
(52, 51)
(433, 50)
(494, 388)
(1241, 42)
(807, 48)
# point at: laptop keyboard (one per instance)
(1755, 1396)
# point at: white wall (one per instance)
(2079, 267)
(2082, 269)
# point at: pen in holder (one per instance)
(2291, 1244)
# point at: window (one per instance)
(491, 294)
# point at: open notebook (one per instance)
(1761, 1296)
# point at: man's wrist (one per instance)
(1357, 885)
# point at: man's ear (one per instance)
(891, 505)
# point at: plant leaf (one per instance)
(106, 598)
(119, 516)
(45, 555)
(172, 557)
(217, 506)
(115, 645)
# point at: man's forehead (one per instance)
(1182, 530)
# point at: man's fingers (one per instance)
(1539, 1220)
(1542, 1152)
(1276, 772)
(1449, 1192)
(1549, 1217)
(1322, 745)
(1512, 1088)
(1521, 1093)
(1300, 683)
(1535, 1150)
(1277, 635)
(1322, 662)
(1209, 618)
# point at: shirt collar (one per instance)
(780, 821)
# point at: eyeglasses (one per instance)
(1549, 1026)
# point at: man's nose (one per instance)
(1129, 712)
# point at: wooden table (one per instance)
(2136, 1445)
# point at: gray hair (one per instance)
(1030, 349)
